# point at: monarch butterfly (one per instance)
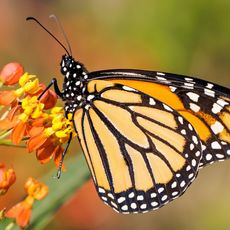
(144, 134)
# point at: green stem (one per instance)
(5, 133)
(8, 142)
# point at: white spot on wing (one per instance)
(161, 78)
(209, 85)
(215, 145)
(101, 190)
(128, 88)
(160, 73)
(133, 205)
(182, 184)
(172, 88)
(151, 101)
(181, 120)
(209, 92)
(174, 184)
(110, 195)
(90, 97)
(175, 193)
(152, 195)
(222, 102)
(154, 204)
(208, 157)
(167, 107)
(188, 85)
(113, 204)
(216, 108)
(220, 156)
(140, 197)
(124, 208)
(194, 107)
(143, 206)
(217, 127)
(131, 195)
(160, 190)
(195, 140)
(183, 131)
(193, 96)
(87, 106)
(192, 146)
(121, 199)
(193, 162)
(188, 79)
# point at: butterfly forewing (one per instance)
(205, 105)
(141, 152)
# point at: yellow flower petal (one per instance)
(32, 87)
(61, 134)
(23, 117)
(48, 131)
(56, 110)
(24, 79)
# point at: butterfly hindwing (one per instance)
(205, 105)
(141, 153)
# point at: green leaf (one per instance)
(8, 224)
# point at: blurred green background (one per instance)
(186, 37)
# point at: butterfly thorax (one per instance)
(74, 86)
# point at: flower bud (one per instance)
(7, 178)
(11, 73)
(49, 99)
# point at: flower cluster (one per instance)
(29, 116)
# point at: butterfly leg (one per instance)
(63, 155)
(56, 89)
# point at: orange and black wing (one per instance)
(141, 152)
(205, 105)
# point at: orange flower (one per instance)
(11, 73)
(7, 97)
(8, 119)
(44, 131)
(32, 109)
(29, 85)
(18, 132)
(7, 178)
(36, 189)
(22, 211)
(47, 141)
(49, 150)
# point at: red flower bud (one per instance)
(11, 73)
(49, 99)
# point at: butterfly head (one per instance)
(71, 68)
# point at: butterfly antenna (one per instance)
(43, 27)
(52, 16)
